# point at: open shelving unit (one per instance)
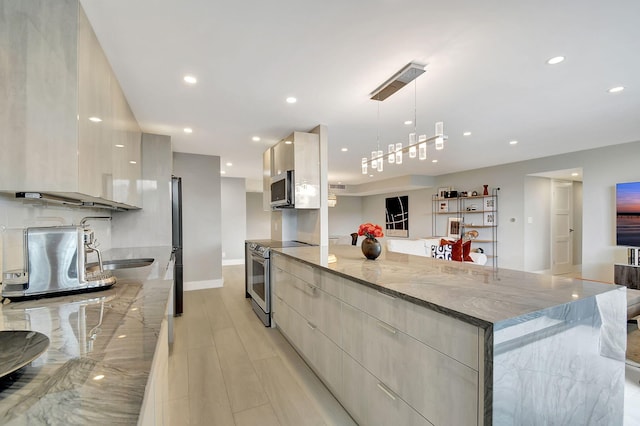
(476, 212)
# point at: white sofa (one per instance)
(422, 247)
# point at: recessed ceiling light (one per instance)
(119, 145)
(229, 164)
(370, 175)
(339, 183)
(612, 90)
(122, 336)
(434, 161)
(188, 130)
(288, 142)
(344, 149)
(575, 174)
(466, 134)
(189, 79)
(291, 100)
(222, 172)
(95, 119)
(256, 138)
(513, 142)
(98, 377)
(408, 122)
(132, 162)
(555, 60)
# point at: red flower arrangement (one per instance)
(370, 230)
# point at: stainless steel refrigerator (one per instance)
(176, 216)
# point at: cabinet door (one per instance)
(371, 402)
(38, 106)
(126, 148)
(94, 103)
(440, 388)
(282, 156)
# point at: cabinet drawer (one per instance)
(429, 381)
(446, 334)
(298, 269)
(371, 402)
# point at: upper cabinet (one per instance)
(65, 125)
(299, 152)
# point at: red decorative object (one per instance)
(371, 247)
(370, 230)
(459, 250)
(486, 190)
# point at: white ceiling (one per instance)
(486, 73)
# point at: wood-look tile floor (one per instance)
(226, 368)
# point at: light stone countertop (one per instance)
(111, 333)
(476, 294)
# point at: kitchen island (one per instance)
(423, 341)
(106, 362)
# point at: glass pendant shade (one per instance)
(439, 143)
(374, 163)
(380, 161)
(422, 151)
(364, 165)
(399, 153)
(391, 156)
(412, 148)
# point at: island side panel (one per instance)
(562, 365)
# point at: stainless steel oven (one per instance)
(258, 288)
(257, 270)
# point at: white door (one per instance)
(561, 224)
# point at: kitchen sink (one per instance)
(120, 264)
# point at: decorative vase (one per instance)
(486, 190)
(371, 248)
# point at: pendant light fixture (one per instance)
(417, 146)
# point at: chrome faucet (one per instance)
(90, 243)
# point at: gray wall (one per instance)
(201, 224)
(258, 220)
(345, 217)
(150, 226)
(602, 169)
(234, 218)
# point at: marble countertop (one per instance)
(476, 294)
(102, 345)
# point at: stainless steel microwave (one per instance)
(282, 190)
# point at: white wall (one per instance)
(537, 234)
(577, 223)
(373, 210)
(234, 219)
(22, 214)
(345, 217)
(258, 220)
(201, 221)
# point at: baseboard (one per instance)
(229, 262)
(201, 285)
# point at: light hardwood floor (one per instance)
(226, 368)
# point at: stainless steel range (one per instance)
(257, 274)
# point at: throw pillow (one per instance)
(441, 252)
(459, 250)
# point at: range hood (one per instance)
(69, 200)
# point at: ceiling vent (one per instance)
(398, 81)
(337, 189)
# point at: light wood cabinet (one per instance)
(62, 80)
(387, 360)
(299, 152)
